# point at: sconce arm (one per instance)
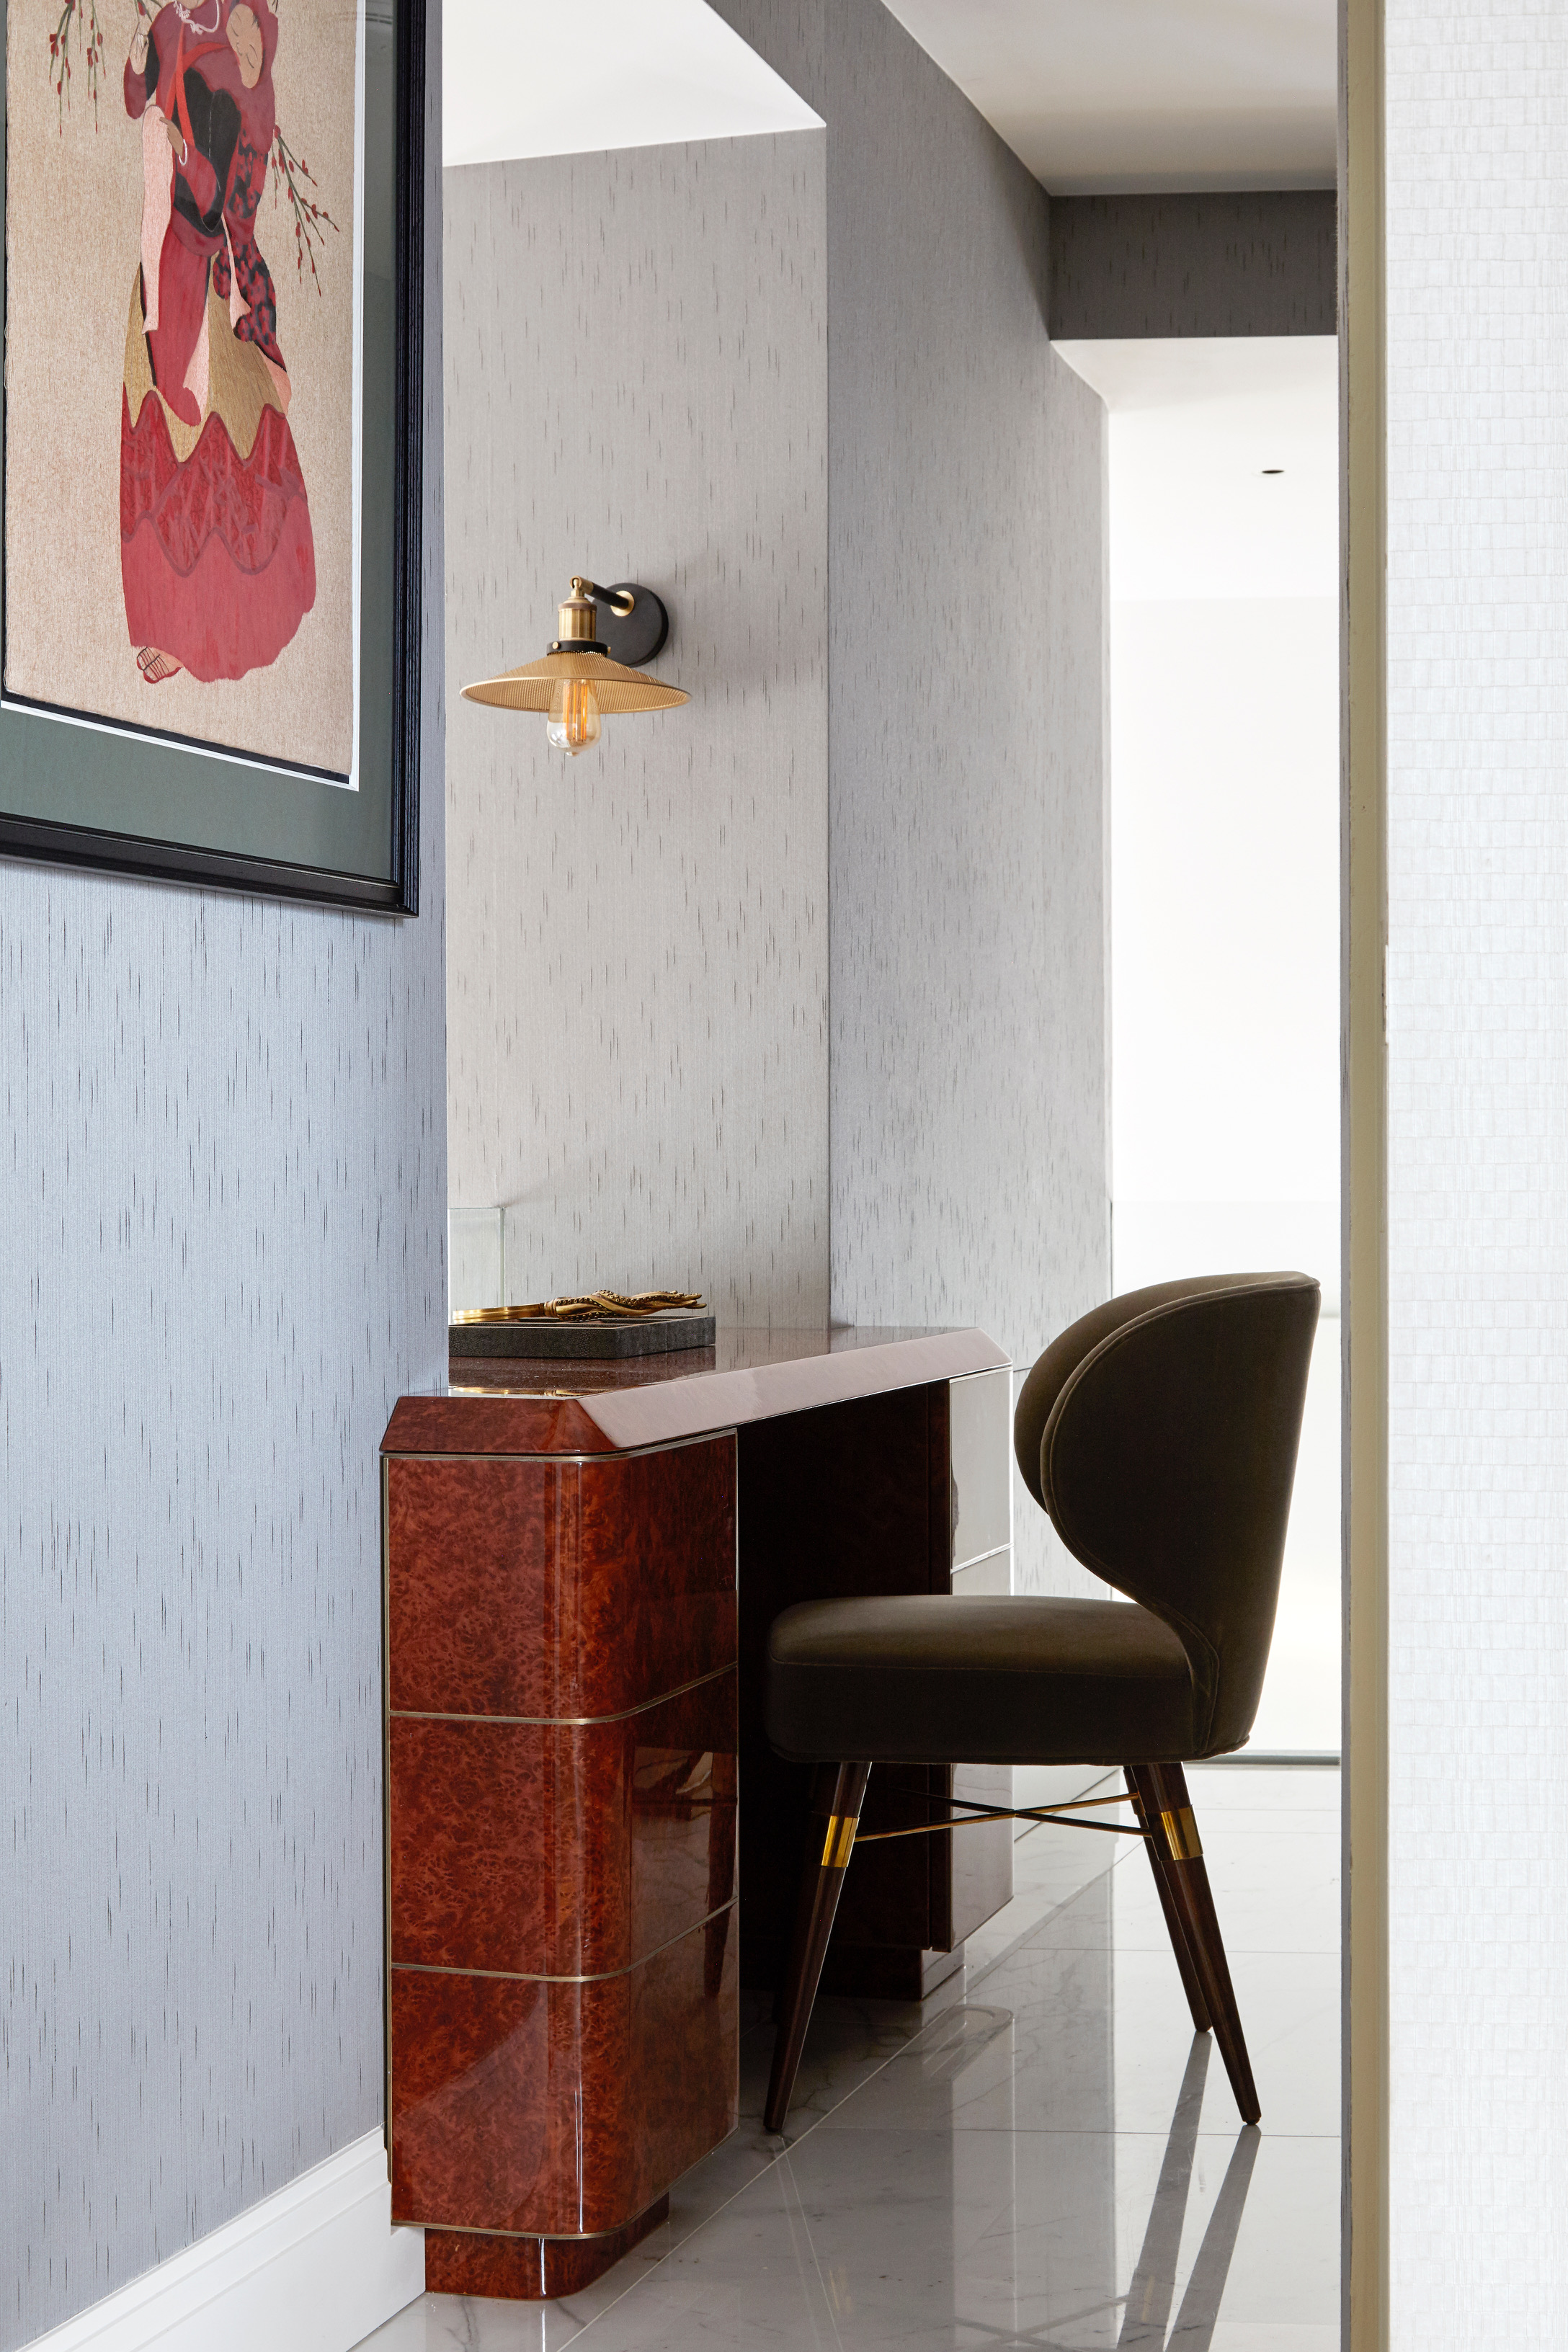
(619, 600)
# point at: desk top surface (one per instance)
(523, 1405)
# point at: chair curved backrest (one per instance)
(1160, 1433)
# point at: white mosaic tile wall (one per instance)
(1477, 101)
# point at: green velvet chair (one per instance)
(1160, 1434)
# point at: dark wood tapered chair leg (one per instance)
(1189, 1885)
(1142, 1789)
(827, 1854)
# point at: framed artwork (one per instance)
(210, 456)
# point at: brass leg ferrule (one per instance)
(840, 1835)
(1182, 1840)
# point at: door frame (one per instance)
(1365, 1330)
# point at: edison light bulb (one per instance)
(574, 721)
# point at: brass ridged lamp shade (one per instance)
(579, 681)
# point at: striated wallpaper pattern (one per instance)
(968, 839)
(222, 1205)
(967, 733)
(638, 959)
(802, 387)
(797, 994)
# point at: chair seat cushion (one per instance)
(932, 1678)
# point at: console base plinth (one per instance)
(528, 2269)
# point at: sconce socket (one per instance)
(577, 618)
(626, 622)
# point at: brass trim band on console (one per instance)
(553, 2237)
(1181, 1839)
(387, 1803)
(561, 1722)
(531, 1975)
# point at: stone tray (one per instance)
(540, 1338)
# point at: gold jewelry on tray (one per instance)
(595, 1307)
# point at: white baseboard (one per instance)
(313, 2268)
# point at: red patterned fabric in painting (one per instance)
(217, 557)
(259, 321)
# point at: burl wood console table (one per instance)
(582, 1561)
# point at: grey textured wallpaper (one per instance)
(967, 745)
(876, 500)
(967, 729)
(222, 1197)
(1233, 261)
(637, 388)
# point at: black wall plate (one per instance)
(636, 637)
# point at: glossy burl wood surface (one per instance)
(548, 2107)
(493, 1424)
(563, 1958)
(566, 1722)
(559, 1590)
(523, 1406)
(561, 1849)
(526, 2269)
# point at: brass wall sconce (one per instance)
(592, 671)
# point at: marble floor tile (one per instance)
(1079, 2240)
(851, 2042)
(1051, 1867)
(1080, 2040)
(451, 2323)
(1306, 1798)
(1268, 1900)
(1247, 2335)
(1288, 1821)
(1044, 2156)
(1277, 1786)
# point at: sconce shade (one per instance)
(616, 689)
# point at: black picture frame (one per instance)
(288, 838)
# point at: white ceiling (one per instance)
(533, 78)
(1091, 94)
(1194, 423)
(1146, 94)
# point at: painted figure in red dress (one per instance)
(215, 551)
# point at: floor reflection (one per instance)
(1044, 2159)
(1153, 2287)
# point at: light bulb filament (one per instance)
(573, 722)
